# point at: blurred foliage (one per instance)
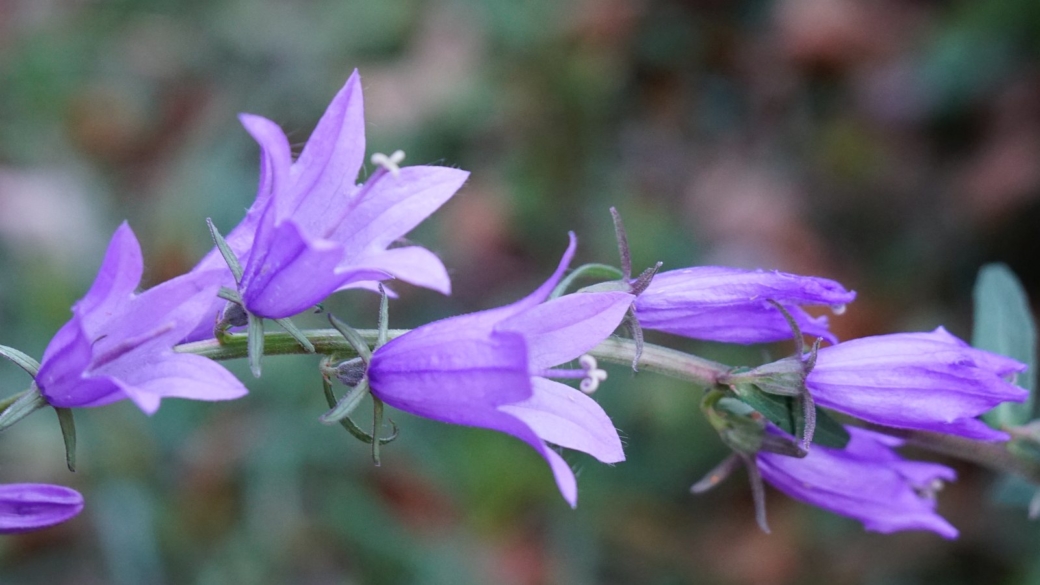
(893, 145)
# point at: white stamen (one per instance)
(838, 309)
(593, 375)
(390, 163)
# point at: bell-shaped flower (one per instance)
(866, 480)
(119, 344)
(492, 369)
(732, 305)
(926, 381)
(313, 231)
(31, 506)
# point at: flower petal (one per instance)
(566, 417)
(440, 371)
(872, 490)
(291, 275)
(31, 506)
(179, 376)
(414, 265)
(329, 164)
(564, 328)
(118, 277)
(395, 205)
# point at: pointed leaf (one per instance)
(27, 363)
(225, 251)
(296, 334)
(349, 425)
(28, 403)
(786, 413)
(68, 434)
(346, 405)
(353, 338)
(255, 343)
(1004, 324)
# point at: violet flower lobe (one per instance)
(313, 231)
(119, 344)
(32, 506)
(491, 370)
(927, 381)
(731, 305)
(866, 481)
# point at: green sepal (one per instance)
(68, 435)
(225, 251)
(255, 343)
(23, 361)
(384, 318)
(377, 424)
(230, 294)
(29, 402)
(600, 271)
(353, 338)
(1005, 325)
(784, 412)
(346, 405)
(349, 425)
(296, 334)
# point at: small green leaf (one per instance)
(31, 366)
(784, 412)
(27, 403)
(225, 251)
(296, 334)
(68, 434)
(353, 338)
(349, 425)
(346, 405)
(255, 343)
(599, 271)
(230, 294)
(1004, 324)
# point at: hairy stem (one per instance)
(669, 362)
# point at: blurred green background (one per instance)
(893, 145)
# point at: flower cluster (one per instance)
(314, 231)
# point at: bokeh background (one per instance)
(893, 145)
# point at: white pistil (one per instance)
(593, 375)
(390, 163)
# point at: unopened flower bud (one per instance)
(351, 372)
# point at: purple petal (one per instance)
(757, 322)
(330, 162)
(118, 277)
(31, 506)
(730, 305)
(929, 381)
(564, 328)
(179, 376)
(441, 372)
(566, 417)
(881, 492)
(395, 205)
(291, 275)
(61, 378)
(414, 265)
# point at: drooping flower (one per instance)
(119, 344)
(491, 369)
(31, 506)
(732, 305)
(866, 480)
(926, 381)
(313, 231)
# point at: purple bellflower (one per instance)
(312, 231)
(866, 480)
(732, 305)
(926, 381)
(119, 344)
(31, 506)
(492, 370)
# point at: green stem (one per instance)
(669, 362)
